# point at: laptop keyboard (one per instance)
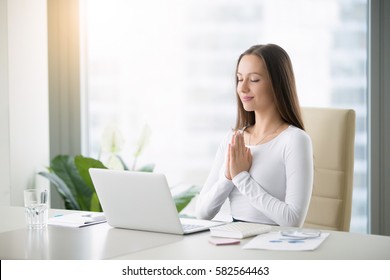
(190, 226)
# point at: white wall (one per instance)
(4, 102)
(24, 141)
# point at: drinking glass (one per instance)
(36, 207)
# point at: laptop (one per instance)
(142, 201)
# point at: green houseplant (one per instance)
(70, 176)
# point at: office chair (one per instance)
(332, 132)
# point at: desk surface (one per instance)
(104, 242)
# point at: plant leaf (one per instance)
(65, 168)
(125, 167)
(147, 168)
(83, 164)
(112, 139)
(95, 203)
(63, 190)
(183, 199)
(143, 140)
(113, 162)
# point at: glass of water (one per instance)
(36, 207)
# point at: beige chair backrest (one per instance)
(332, 132)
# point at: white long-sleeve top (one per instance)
(277, 188)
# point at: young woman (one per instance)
(265, 166)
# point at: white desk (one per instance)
(103, 242)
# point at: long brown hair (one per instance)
(281, 73)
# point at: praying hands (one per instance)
(239, 157)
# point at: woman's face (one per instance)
(254, 85)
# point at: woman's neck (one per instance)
(266, 122)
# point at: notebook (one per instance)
(239, 230)
(77, 219)
(141, 201)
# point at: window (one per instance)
(170, 65)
